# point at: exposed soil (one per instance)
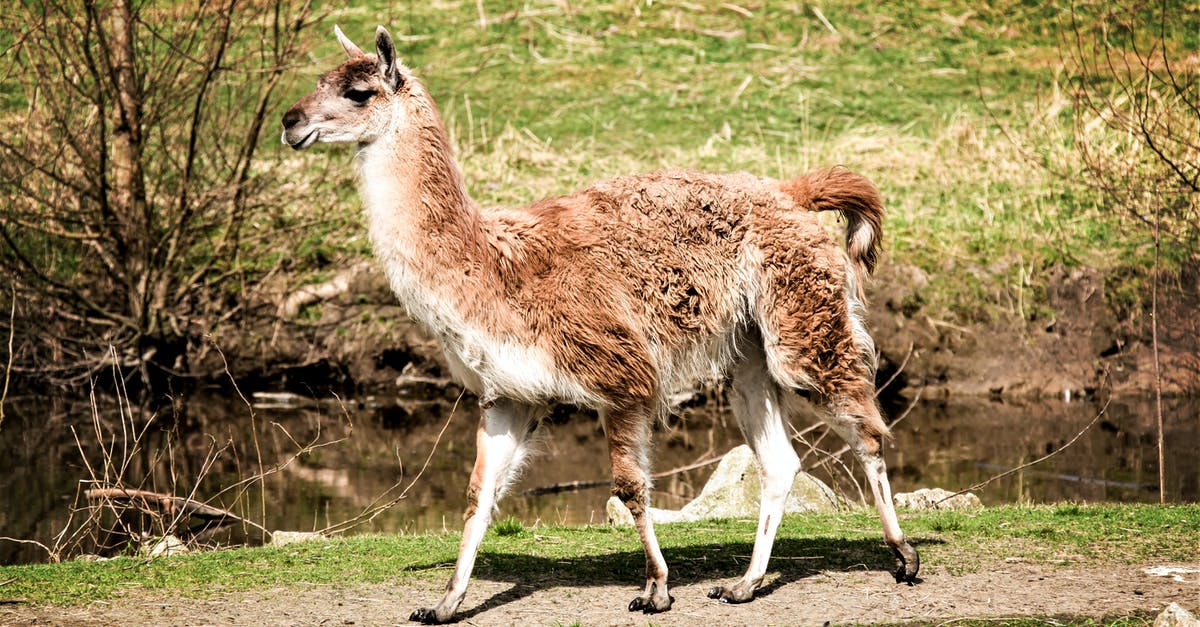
(1002, 589)
(1074, 339)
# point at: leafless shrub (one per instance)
(1135, 87)
(150, 486)
(130, 171)
(1136, 91)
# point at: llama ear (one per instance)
(351, 49)
(388, 65)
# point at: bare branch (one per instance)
(8, 368)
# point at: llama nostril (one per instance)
(292, 118)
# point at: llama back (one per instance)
(680, 254)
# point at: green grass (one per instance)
(950, 106)
(1057, 535)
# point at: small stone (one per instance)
(166, 546)
(937, 498)
(282, 538)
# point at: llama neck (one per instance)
(425, 228)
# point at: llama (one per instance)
(614, 298)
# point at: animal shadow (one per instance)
(792, 558)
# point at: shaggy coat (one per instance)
(616, 297)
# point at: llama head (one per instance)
(358, 101)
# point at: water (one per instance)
(367, 452)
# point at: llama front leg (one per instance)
(628, 441)
(500, 444)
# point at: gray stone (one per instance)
(937, 498)
(282, 538)
(733, 492)
(1175, 616)
(165, 546)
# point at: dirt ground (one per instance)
(1004, 589)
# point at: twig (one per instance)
(34, 542)
(1162, 484)
(821, 16)
(12, 317)
(700, 464)
(373, 510)
(984, 483)
(178, 506)
(904, 414)
(262, 484)
(8, 581)
(903, 363)
(826, 457)
(566, 486)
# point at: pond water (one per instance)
(368, 452)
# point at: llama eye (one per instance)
(359, 96)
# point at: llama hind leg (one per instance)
(500, 444)
(628, 440)
(756, 405)
(859, 423)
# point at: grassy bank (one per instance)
(1056, 535)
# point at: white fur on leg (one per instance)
(501, 443)
(876, 471)
(654, 554)
(757, 406)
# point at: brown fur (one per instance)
(599, 277)
(839, 189)
(616, 296)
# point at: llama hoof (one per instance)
(425, 616)
(648, 605)
(903, 575)
(729, 595)
(910, 564)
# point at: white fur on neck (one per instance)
(490, 362)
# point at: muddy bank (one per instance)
(1077, 332)
(349, 334)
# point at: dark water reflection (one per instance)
(369, 447)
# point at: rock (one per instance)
(1175, 616)
(283, 538)
(733, 492)
(166, 546)
(937, 498)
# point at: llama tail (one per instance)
(858, 200)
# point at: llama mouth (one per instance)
(305, 141)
